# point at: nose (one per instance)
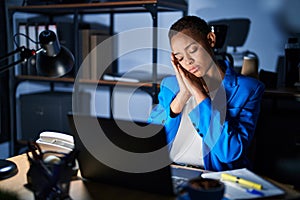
(189, 60)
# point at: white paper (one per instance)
(235, 191)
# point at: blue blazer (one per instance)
(226, 126)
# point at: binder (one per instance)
(32, 44)
(22, 28)
(98, 54)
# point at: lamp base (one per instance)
(7, 169)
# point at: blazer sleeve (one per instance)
(160, 114)
(227, 128)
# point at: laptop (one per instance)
(94, 136)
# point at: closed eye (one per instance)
(193, 49)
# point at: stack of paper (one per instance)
(237, 191)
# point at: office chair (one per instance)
(237, 31)
(236, 35)
(220, 31)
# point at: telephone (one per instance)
(54, 141)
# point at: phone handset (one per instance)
(55, 141)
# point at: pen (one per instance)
(241, 181)
(254, 191)
(248, 190)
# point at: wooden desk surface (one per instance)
(88, 190)
(78, 189)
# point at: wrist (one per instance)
(199, 97)
(172, 114)
(183, 96)
(179, 102)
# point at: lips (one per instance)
(193, 69)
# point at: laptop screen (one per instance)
(124, 153)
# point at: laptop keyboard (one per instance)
(178, 182)
(180, 176)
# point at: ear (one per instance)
(211, 37)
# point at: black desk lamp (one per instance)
(52, 60)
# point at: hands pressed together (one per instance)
(189, 85)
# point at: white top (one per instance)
(187, 145)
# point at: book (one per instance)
(236, 191)
(22, 42)
(99, 55)
(30, 40)
(32, 44)
(84, 43)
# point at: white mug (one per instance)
(250, 66)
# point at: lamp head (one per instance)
(54, 60)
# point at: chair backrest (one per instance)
(221, 33)
(237, 30)
(234, 35)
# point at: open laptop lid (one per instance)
(124, 153)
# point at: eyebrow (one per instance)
(188, 46)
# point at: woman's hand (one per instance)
(195, 85)
(183, 94)
(189, 83)
(182, 87)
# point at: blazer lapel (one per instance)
(230, 83)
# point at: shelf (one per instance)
(119, 83)
(76, 9)
(117, 6)
(43, 78)
(87, 81)
(102, 7)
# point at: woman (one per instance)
(209, 112)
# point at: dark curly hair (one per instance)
(195, 24)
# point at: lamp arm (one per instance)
(25, 54)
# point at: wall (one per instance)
(267, 35)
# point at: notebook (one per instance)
(101, 164)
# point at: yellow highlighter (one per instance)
(241, 181)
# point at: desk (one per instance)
(277, 136)
(283, 93)
(88, 191)
(79, 190)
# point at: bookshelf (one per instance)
(77, 10)
(111, 8)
